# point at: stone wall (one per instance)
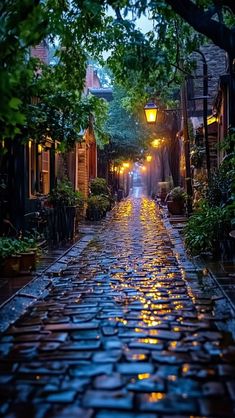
(216, 63)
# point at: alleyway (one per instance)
(122, 334)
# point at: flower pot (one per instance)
(176, 207)
(27, 261)
(11, 266)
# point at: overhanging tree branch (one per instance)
(201, 21)
(230, 4)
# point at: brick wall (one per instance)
(41, 51)
(92, 79)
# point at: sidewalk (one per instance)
(124, 328)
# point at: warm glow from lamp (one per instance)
(39, 148)
(211, 119)
(126, 165)
(149, 158)
(143, 168)
(156, 143)
(150, 110)
(30, 144)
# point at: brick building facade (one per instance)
(215, 60)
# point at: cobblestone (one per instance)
(126, 329)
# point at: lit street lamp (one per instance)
(150, 110)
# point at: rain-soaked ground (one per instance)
(125, 328)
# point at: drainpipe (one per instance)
(205, 110)
(188, 179)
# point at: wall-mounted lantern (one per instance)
(150, 110)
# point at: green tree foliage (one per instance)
(22, 24)
(63, 115)
(79, 29)
(73, 29)
(214, 19)
(128, 133)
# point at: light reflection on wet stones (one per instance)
(125, 332)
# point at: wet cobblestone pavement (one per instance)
(123, 331)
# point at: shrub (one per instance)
(99, 186)
(97, 207)
(206, 229)
(221, 183)
(64, 195)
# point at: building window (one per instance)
(45, 173)
(39, 170)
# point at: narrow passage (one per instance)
(120, 335)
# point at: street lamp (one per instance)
(150, 110)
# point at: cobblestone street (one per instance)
(124, 332)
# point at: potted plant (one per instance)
(17, 255)
(176, 201)
(27, 249)
(9, 260)
(99, 187)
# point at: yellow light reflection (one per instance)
(176, 329)
(139, 357)
(156, 396)
(185, 368)
(143, 376)
(148, 340)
